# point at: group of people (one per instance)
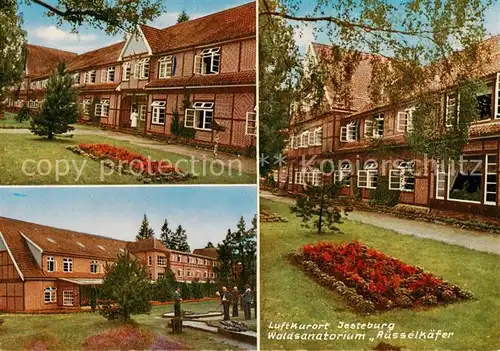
(227, 299)
(233, 299)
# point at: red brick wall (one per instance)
(11, 286)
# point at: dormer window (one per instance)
(165, 67)
(207, 62)
(94, 265)
(101, 247)
(200, 116)
(142, 69)
(51, 264)
(126, 71)
(90, 77)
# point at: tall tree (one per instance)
(181, 239)
(12, 56)
(209, 245)
(60, 107)
(166, 234)
(279, 72)
(414, 45)
(127, 284)
(145, 231)
(182, 17)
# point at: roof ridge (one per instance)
(51, 48)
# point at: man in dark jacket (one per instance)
(247, 302)
(225, 298)
(236, 301)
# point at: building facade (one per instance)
(345, 135)
(200, 73)
(43, 268)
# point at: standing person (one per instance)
(177, 302)
(247, 302)
(224, 297)
(235, 300)
(133, 119)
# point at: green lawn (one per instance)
(287, 295)
(15, 149)
(10, 122)
(69, 331)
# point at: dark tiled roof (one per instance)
(232, 78)
(484, 129)
(234, 23)
(146, 245)
(42, 61)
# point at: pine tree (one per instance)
(60, 108)
(145, 232)
(166, 234)
(163, 289)
(126, 283)
(181, 236)
(182, 17)
(209, 245)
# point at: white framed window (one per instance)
(318, 136)
(109, 74)
(51, 264)
(142, 112)
(126, 71)
(207, 62)
(165, 67)
(367, 177)
(378, 126)
(90, 77)
(251, 123)
(497, 97)
(491, 180)
(94, 267)
(199, 116)
(311, 138)
(50, 295)
(466, 179)
(368, 132)
(67, 265)
(86, 106)
(160, 261)
(403, 177)
(405, 120)
(102, 108)
(179, 273)
(304, 139)
(308, 176)
(452, 109)
(348, 133)
(343, 174)
(142, 69)
(158, 112)
(68, 298)
(160, 275)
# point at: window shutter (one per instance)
(103, 75)
(368, 128)
(497, 97)
(402, 121)
(319, 136)
(343, 133)
(214, 67)
(198, 64)
(311, 138)
(189, 118)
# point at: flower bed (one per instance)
(371, 280)
(123, 160)
(266, 216)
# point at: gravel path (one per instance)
(248, 165)
(470, 239)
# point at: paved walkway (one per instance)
(471, 239)
(248, 165)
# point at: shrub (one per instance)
(381, 195)
(23, 114)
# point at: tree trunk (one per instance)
(321, 204)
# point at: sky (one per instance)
(42, 30)
(305, 34)
(206, 212)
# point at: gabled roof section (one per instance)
(42, 61)
(146, 245)
(231, 24)
(103, 56)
